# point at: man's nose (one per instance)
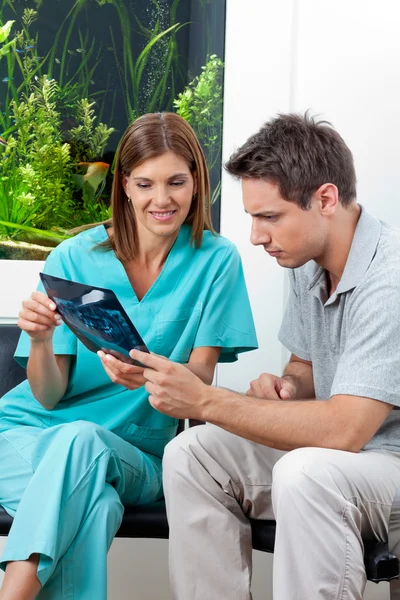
(259, 236)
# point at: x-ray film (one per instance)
(95, 316)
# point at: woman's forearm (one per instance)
(48, 382)
(203, 372)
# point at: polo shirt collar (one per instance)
(362, 250)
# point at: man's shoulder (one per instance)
(386, 260)
(389, 241)
(381, 281)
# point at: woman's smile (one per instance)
(163, 215)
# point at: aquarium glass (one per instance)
(73, 75)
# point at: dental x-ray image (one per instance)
(95, 316)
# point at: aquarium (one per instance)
(73, 75)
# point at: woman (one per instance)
(78, 438)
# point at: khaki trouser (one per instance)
(325, 503)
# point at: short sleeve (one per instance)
(370, 363)
(292, 333)
(64, 341)
(227, 321)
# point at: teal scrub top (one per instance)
(199, 299)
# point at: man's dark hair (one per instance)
(299, 154)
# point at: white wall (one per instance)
(258, 69)
(18, 280)
(341, 58)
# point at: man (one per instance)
(318, 448)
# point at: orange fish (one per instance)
(3, 141)
(96, 173)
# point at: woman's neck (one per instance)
(152, 252)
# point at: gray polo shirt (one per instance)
(353, 337)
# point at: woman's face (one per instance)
(161, 191)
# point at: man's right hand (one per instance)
(38, 317)
(272, 387)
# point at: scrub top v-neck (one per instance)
(198, 299)
(124, 275)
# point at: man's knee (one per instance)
(197, 442)
(205, 450)
(306, 475)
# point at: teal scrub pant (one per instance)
(66, 486)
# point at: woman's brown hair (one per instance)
(149, 136)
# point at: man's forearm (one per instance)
(282, 425)
(301, 375)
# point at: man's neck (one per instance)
(339, 244)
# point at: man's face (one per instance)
(288, 233)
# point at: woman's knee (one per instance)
(75, 430)
(81, 438)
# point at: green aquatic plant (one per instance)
(201, 104)
(25, 55)
(5, 31)
(89, 139)
(43, 158)
(46, 191)
(15, 205)
(148, 83)
(6, 50)
(26, 233)
(29, 16)
(17, 211)
(158, 60)
(22, 62)
(26, 62)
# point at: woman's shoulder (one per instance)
(219, 249)
(217, 243)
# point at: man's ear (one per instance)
(327, 196)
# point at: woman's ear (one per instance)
(124, 181)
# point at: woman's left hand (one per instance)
(129, 376)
